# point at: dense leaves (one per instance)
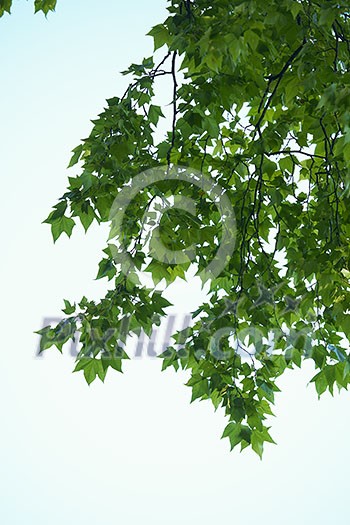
(260, 101)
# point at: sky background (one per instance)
(132, 450)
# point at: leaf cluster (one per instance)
(264, 110)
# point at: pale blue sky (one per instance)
(133, 450)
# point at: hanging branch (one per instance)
(174, 103)
(278, 76)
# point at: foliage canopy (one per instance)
(260, 102)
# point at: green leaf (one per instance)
(321, 382)
(76, 155)
(106, 269)
(69, 308)
(62, 225)
(86, 216)
(45, 5)
(160, 36)
(5, 6)
(154, 114)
